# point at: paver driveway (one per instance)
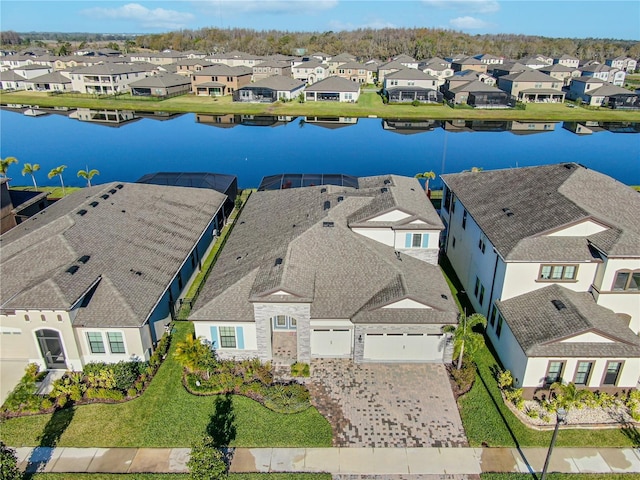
(386, 405)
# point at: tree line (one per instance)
(420, 43)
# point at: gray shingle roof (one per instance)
(53, 77)
(410, 74)
(342, 274)
(163, 80)
(545, 198)
(530, 76)
(276, 82)
(539, 326)
(112, 69)
(334, 84)
(148, 229)
(224, 70)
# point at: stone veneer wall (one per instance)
(429, 255)
(362, 329)
(264, 312)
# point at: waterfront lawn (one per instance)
(166, 415)
(369, 104)
(557, 476)
(487, 420)
(174, 476)
(55, 193)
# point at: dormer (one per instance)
(582, 228)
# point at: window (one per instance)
(481, 245)
(612, 373)
(554, 372)
(492, 317)
(582, 373)
(453, 204)
(116, 342)
(453, 243)
(499, 326)
(416, 240)
(476, 288)
(96, 345)
(627, 280)
(464, 220)
(481, 297)
(227, 337)
(558, 272)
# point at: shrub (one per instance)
(46, 404)
(465, 376)
(515, 397)
(23, 396)
(62, 401)
(300, 370)
(8, 463)
(533, 413)
(206, 461)
(132, 392)
(505, 379)
(126, 373)
(291, 398)
(415, 103)
(104, 394)
(31, 372)
(139, 386)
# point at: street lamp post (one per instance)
(561, 415)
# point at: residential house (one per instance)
(32, 70)
(270, 68)
(166, 57)
(469, 63)
(106, 78)
(333, 89)
(604, 72)
(388, 68)
(337, 60)
(10, 80)
(489, 59)
(219, 79)
(536, 61)
(626, 64)
(438, 68)
(567, 61)
(479, 95)
(270, 89)
(95, 276)
(189, 66)
(596, 92)
(51, 82)
(410, 85)
(406, 60)
(561, 72)
(529, 128)
(532, 86)
(13, 61)
(354, 71)
(511, 233)
(70, 61)
(320, 56)
(331, 271)
(236, 59)
(104, 117)
(161, 85)
(508, 68)
(195, 54)
(310, 72)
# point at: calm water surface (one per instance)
(266, 146)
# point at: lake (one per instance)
(124, 146)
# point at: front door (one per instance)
(51, 349)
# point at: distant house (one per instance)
(604, 72)
(269, 90)
(561, 72)
(51, 82)
(158, 58)
(567, 61)
(333, 89)
(10, 80)
(310, 72)
(353, 278)
(236, 58)
(411, 84)
(161, 85)
(626, 64)
(489, 59)
(438, 68)
(338, 60)
(536, 61)
(479, 95)
(532, 86)
(271, 68)
(220, 79)
(355, 72)
(33, 70)
(508, 68)
(469, 63)
(188, 66)
(406, 60)
(599, 93)
(106, 78)
(388, 68)
(95, 276)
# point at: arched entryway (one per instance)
(51, 348)
(284, 338)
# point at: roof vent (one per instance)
(73, 269)
(323, 190)
(507, 212)
(112, 191)
(278, 262)
(81, 212)
(327, 224)
(94, 204)
(327, 205)
(84, 258)
(384, 190)
(444, 296)
(568, 166)
(340, 198)
(558, 304)
(387, 182)
(137, 272)
(104, 197)
(397, 255)
(119, 186)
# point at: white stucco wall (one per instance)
(537, 370)
(582, 229)
(382, 235)
(627, 302)
(392, 216)
(509, 351)
(133, 345)
(203, 329)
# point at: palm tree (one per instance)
(31, 169)
(4, 166)
(88, 174)
(194, 355)
(568, 395)
(58, 171)
(426, 176)
(464, 338)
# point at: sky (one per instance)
(619, 19)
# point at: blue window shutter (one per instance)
(425, 240)
(214, 337)
(407, 241)
(240, 338)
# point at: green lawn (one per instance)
(54, 192)
(167, 416)
(174, 476)
(559, 476)
(369, 104)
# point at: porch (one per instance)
(210, 89)
(541, 95)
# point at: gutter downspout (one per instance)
(493, 283)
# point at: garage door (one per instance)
(403, 347)
(330, 342)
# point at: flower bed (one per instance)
(98, 383)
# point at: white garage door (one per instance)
(330, 342)
(413, 347)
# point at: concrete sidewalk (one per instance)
(407, 461)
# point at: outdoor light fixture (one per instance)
(359, 338)
(561, 416)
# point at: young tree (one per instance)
(426, 176)
(206, 461)
(88, 174)
(58, 172)
(31, 169)
(4, 165)
(8, 463)
(568, 395)
(465, 340)
(194, 355)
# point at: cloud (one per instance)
(468, 23)
(147, 18)
(271, 7)
(467, 6)
(338, 25)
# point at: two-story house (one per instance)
(107, 78)
(598, 93)
(310, 72)
(411, 84)
(556, 269)
(220, 79)
(270, 68)
(532, 86)
(627, 64)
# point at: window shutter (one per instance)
(240, 338)
(425, 240)
(214, 337)
(407, 241)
